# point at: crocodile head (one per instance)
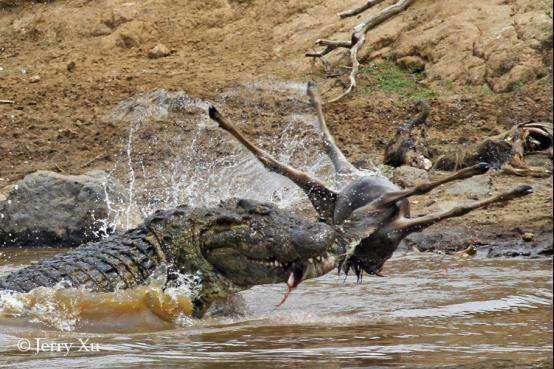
(242, 243)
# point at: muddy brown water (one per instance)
(428, 310)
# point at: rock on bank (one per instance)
(47, 208)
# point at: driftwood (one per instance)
(360, 9)
(358, 38)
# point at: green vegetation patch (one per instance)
(389, 78)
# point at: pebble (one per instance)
(527, 236)
(34, 79)
(159, 51)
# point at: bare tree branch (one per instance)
(360, 9)
(330, 46)
(355, 67)
(359, 37)
(382, 16)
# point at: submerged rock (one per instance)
(47, 208)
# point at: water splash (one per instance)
(158, 304)
(42, 305)
(176, 155)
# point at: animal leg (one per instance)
(393, 197)
(525, 171)
(322, 198)
(516, 166)
(341, 164)
(407, 225)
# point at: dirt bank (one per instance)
(65, 64)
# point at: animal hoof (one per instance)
(213, 112)
(482, 167)
(524, 190)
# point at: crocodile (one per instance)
(230, 247)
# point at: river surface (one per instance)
(428, 310)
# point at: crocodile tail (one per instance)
(118, 262)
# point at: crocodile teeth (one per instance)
(291, 281)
